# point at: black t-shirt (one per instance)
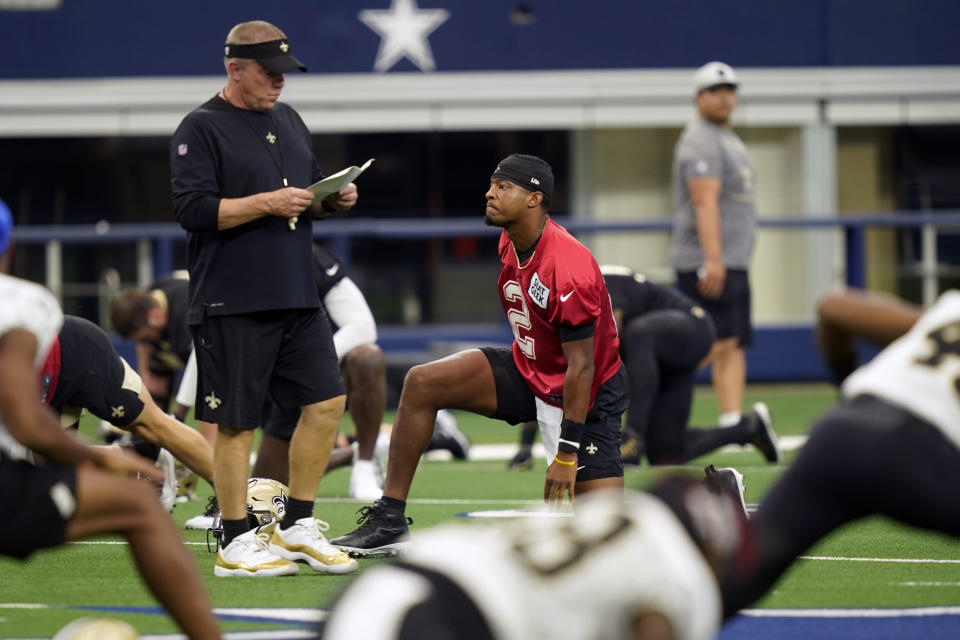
(171, 351)
(221, 151)
(636, 295)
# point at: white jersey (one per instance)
(25, 305)
(919, 372)
(583, 577)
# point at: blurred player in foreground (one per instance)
(625, 565)
(75, 491)
(563, 369)
(892, 448)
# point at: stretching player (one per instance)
(891, 447)
(624, 566)
(79, 491)
(563, 370)
(664, 337)
(83, 371)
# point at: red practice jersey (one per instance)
(559, 285)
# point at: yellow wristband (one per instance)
(565, 463)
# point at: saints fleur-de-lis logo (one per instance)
(213, 401)
(284, 47)
(117, 412)
(591, 448)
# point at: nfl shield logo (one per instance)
(182, 150)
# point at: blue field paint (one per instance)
(931, 627)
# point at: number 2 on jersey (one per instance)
(519, 318)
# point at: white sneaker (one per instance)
(364, 484)
(168, 490)
(206, 519)
(305, 542)
(249, 555)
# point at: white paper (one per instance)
(332, 184)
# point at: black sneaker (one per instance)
(382, 532)
(522, 460)
(206, 519)
(764, 437)
(727, 481)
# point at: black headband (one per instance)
(273, 55)
(529, 172)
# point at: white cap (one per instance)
(714, 74)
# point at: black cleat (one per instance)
(764, 437)
(522, 460)
(727, 481)
(382, 532)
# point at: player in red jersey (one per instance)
(563, 370)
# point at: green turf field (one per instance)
(99, 575)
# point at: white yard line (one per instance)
(911, 612)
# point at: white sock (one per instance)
(364, 467)
(729, 418)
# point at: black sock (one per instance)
(296, 509)
(232, 529)
(393, 503)
(527, 435)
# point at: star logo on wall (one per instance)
(403, 31)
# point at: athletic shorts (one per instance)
(287, 354)
(411, 603)
(731, 311)
(94, 377)
(599, 454)
(40, 501)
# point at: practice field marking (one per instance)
(910, 612)
(925, 584)
(890, 560)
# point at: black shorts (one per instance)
(444, 610)
(94, 377)
(731, 311)
(287, 354)
(40, 500)
(600, 445)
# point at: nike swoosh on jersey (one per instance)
(563, 298)
(333, 270)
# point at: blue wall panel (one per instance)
(180, 37)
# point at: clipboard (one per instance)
(332, 184)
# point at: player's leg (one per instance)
(465, 380)
(273, 459)
(108, 504)
(640, 356)
(364, 375)
(461, 381)
(523, 458)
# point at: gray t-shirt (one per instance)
(706, 150)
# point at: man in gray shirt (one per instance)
(713, 228)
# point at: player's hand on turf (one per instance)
(344, 199)
(560, 481)
(118, 460)
(712, 276)
(289, 202)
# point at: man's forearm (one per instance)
(708, 231)
(234, 212)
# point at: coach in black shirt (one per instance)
(239, 165)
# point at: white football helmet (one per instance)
(266, 502)
(92, 628)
